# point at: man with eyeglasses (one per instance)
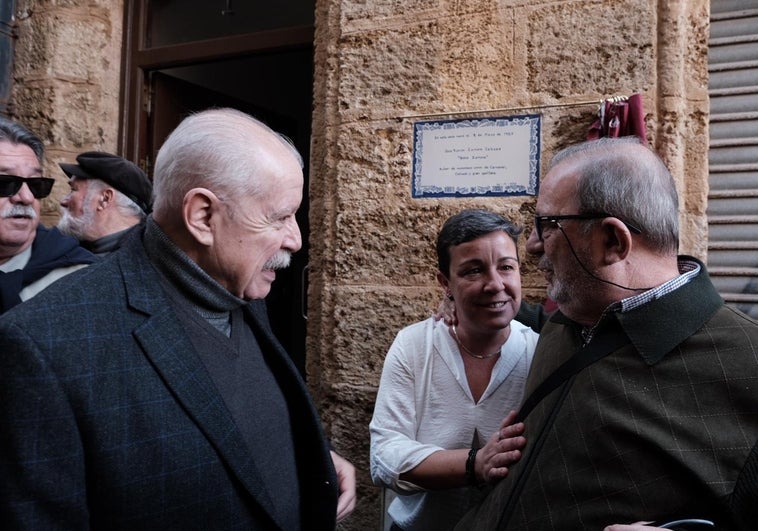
(642, 400)
(31, 256)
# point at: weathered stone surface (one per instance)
(66, 81)
(589, 47)
(379, 66)
(382, 66)
(66, 78)
(350, 439)
(366, 324)
(441, 64)
(373, 11)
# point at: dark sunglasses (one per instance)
(553, 220)
(39, 186)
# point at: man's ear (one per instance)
(198, 208)
(617, 240)
(107, 198)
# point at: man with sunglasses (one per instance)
(642, 400)
(31, 256)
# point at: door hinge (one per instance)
(146, 165)
(147, 97)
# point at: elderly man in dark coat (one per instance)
(150, 393)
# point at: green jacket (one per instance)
(660, 429)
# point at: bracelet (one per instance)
(470, 467)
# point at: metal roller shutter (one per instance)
(733, 154)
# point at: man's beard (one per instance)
(77, 227)
(569, 289)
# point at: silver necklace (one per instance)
(467, 351)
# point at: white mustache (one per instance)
(279, 261)
(19, 211)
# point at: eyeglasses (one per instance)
(39, 186)
(553, 220)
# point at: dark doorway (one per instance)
(267, 73)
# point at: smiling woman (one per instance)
(438, 429)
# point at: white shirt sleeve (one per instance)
(394, 448)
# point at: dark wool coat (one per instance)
(111, 421)
(51, 250)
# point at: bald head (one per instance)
(219, 149)
(625, 177)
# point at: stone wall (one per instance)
(66, 80)
(383, 64)
(378, 64)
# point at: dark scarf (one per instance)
(206, 296)
(107, 244)
(50, 250)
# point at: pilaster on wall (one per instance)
(682, 113)
(66, 80)
(372, 259)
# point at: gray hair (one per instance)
(16, 133)
(469, 225)
(212, 149)
(628, 180)
(126, 207)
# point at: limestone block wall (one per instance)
(379, 66)
(66, 80)
(383, 64)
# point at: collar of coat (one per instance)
(657, 327)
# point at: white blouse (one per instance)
(424, 405)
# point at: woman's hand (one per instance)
(502, 450)
(446, 312)
(346, 478)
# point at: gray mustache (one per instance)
(19, 210)
(279, 261)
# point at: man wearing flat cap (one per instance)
(109, 196)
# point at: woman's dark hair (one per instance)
(469, 225)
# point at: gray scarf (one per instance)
(198, 289)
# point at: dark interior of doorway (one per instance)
(276, 88)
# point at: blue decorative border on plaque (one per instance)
(528, 186)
